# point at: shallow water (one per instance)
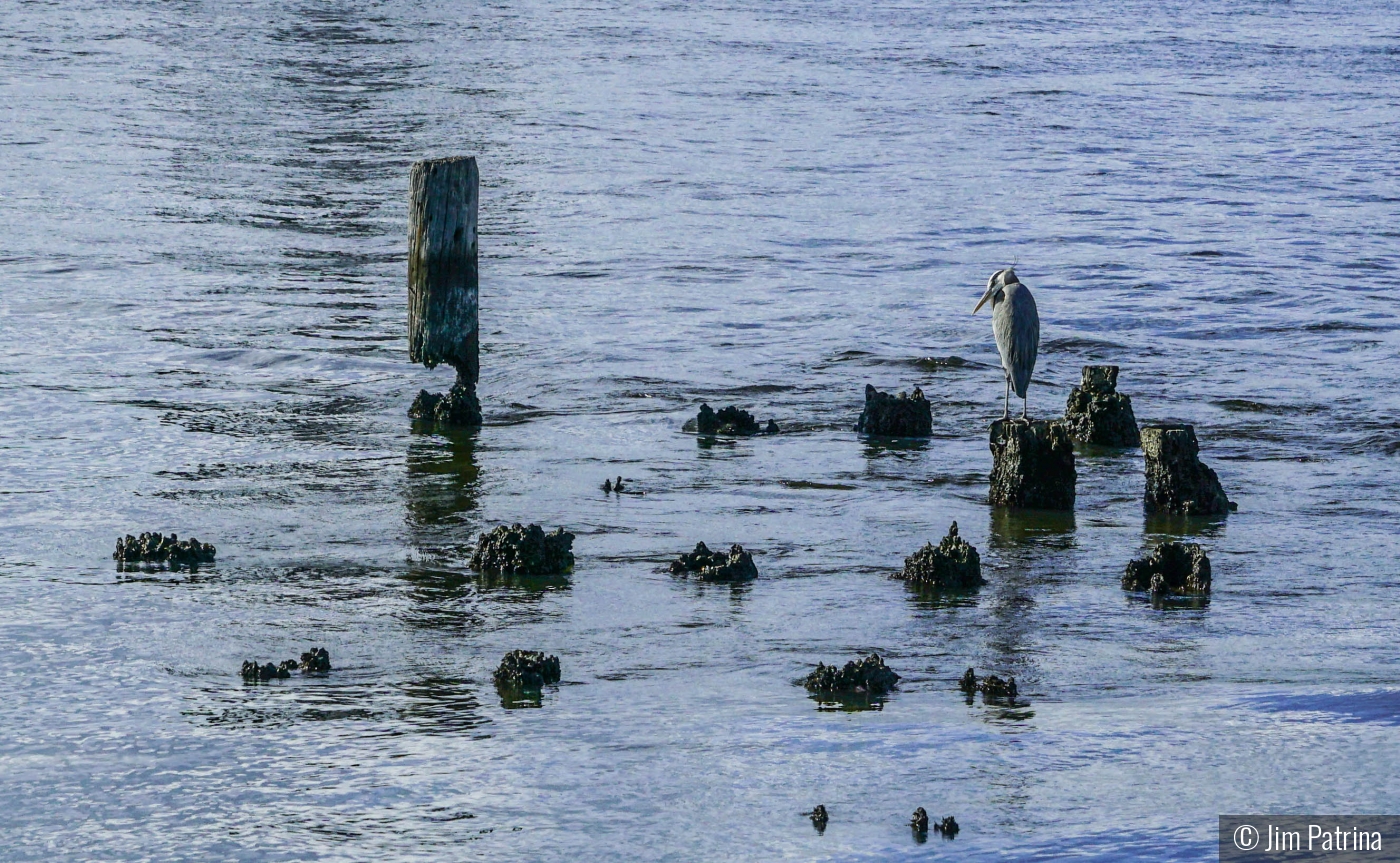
(202, 330)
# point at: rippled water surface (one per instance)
(202, 330)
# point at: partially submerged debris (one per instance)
(154, 548)
(518, 550)
(951, 565)
(736, 565)
(1032, 465)
(904, 415)
(459, 406)
(526, 670)
(1173, 569)
(868, 676)
(729, 420)
(315, 660)
(920, 821)
(818, 816)
(990, 686)
(1177, 480)
(1097, 413)
(947, 826)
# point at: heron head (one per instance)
(999, 280)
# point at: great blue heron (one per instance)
(1016, 326)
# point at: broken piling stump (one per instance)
(1173, 569)
(1032, 465)
(953, 564)
(1097, 413)
(895, 416)
(736, 565)
(869, 676)
(442, 284)
(1177, 481)
(728, 421)
(524, 550)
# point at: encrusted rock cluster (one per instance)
(154, 548)
(1173, 569)
(526, 670)
(991, 686)
(868, 676)
(895, 416)
(317, 660)
(1032, 465)
(736, 565)
(819, 817)
(1177, 481)
(727, 421)
(1097, 413)
(459, 406)
(518, 550)
(951, 565)
(947, 826)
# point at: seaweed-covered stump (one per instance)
(1032, 465)
(1173, 569)
(895, 416)
(459, 406)
(518, 550)
(727, 421)
(868, 676)
(951, 565)
(1097, 413)
(736, 565)
(154, 548)
(991, 686)
(526, 670)
(1177, 481)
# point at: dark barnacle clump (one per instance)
(895, 416)
(1173, 569)
(526, 671)
(518, 550)
(726, 421)
(868, 676)
(459, 406)
(948, 827)
(1097, 413)
(819, 817)
(920, 821)
(951, 565)
(990, 686)
(154, 548)
(736, 565)
(317, 659)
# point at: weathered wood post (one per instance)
(1178, 482)
(442, 283)
(1032, 465)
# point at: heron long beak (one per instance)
(991, 291)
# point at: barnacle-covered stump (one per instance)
(1032, 465)
(1173, 569)
(868, 676)
(315, 660)
(1178, 482)
(1097, 413)
(953, 564)
(526, 670)
(519, 550)
(154, 548)
(990, 686)
(729, 420)
(442, 284)
(903, 415)
(736, 565)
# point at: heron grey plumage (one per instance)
(1016, 326)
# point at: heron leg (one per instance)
(1006, 408)
(1026, 406)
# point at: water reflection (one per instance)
(931, 598)
(847, 702)
(443, 476)
(1014, 529)
(1160, 527)
(442, 705)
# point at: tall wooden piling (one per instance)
(442, 282)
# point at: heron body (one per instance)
(1016, 326)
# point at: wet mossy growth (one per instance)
(459, 406)
(154, 548)
(729, 420)
(904, 415)
(526, 671)
(951, 565)
(736, 565)
(1173, 569)
(1178, 481)
(865, 677)
(315, 660)
(1097, 413)
(518, 550)
(991, 686)
(819, 817)
(1032, 465)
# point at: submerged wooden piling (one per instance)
(442, 283)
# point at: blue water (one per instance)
(202, 330)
